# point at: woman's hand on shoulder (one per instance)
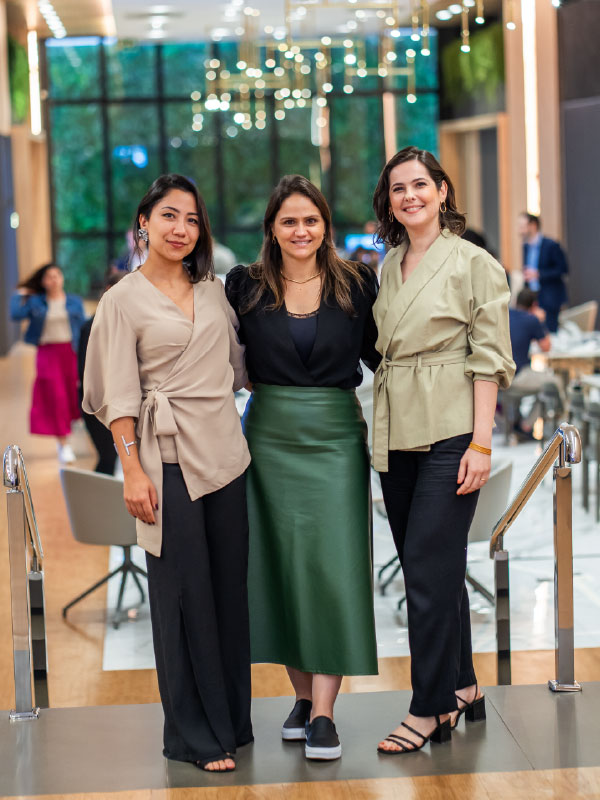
(474, 471)
(140, 496)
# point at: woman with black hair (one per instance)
(306, 320)
(442, 316)
(162, 364)
(55, 320)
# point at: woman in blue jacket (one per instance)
(55, 320)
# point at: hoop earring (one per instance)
(144, 235)
(443, 207)
(390, 214)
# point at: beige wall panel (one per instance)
(471, 171)
(450, 159)
(4, 88)
(32, 202)
(515, 133)
(549, 119)
(506, 221)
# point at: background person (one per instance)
(55, 320)
(526, 326)
(163, 361)
(306, 320)
(100, 435)
(544, 268)
(442, 316)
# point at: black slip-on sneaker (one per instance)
(294, 728)
(322, 742)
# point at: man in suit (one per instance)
(544, 265)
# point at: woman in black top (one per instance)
(306, 320)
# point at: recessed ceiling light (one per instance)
(455, 8)
(443, 15)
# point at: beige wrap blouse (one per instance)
(443, 328)
(146, 359)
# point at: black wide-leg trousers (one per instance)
(199, 609)
(430, 525)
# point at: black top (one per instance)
(341, 340)
(303, 328)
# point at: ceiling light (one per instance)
(455, 8)
(411, 98)
(348, 88)
(410, 53)
(395, 33)
(443, 15)
(327, 87)
(280, 114)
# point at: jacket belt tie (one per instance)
(381, 417)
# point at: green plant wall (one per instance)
(18, 75)
(474, 82)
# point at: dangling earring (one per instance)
(390, 214)
(144, 235)
(443, 207)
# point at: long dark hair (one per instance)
(199, 263)
(393, 232)
(338, 274)
(34, 282)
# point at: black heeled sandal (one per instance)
(203, 763)
(474, 712)
(440, 734)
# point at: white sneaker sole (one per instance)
(323, 753)
(293, 734)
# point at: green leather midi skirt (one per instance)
(310, 576)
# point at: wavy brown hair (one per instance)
(393, 232)
(338, 274)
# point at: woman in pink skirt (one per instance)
(55, 319)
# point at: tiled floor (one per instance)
(530, 544)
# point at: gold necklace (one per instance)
(306, 280)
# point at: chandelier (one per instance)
(301, 71)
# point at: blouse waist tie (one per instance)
(156, 419)
(381, 420)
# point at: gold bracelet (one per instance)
(485, 450)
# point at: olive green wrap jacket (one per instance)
(441, 330)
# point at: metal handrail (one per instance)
(15, 477)
(565, 445)
(27, 590)
(565, 448)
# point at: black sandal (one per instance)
(440, 734)
(474, 712)
(204, 762)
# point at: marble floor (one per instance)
(529, 542)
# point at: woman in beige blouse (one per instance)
(162, 364)
(442, 316)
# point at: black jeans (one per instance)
(430, 524)
(199, 609)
